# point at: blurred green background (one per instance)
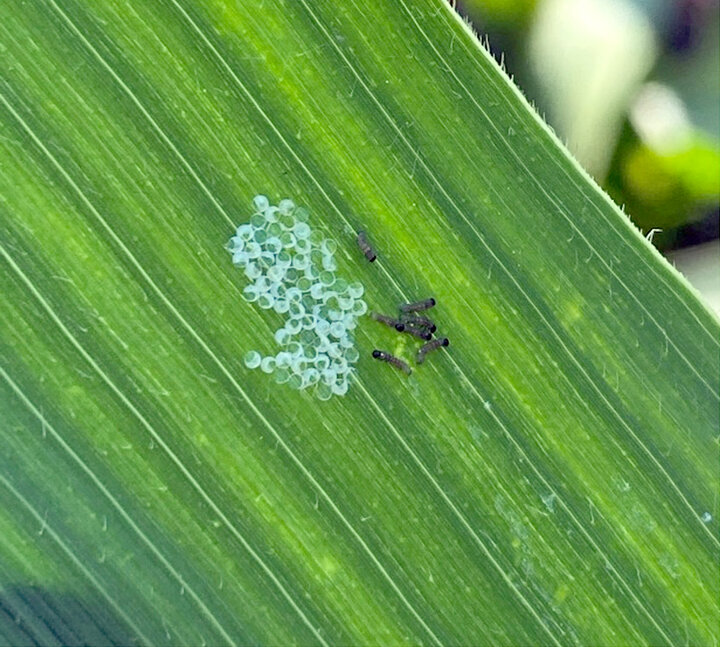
(633, 88)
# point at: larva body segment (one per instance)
(418, 306)
(365, 247)
(392, 360)
(419, 322)
(420, 333)
(388, 321)
(431, 346)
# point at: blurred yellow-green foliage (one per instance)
(666, 188)
(633, 87)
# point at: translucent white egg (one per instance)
(282, 375)
(322, 362)
(295, 309)
(329, 264)
(322, 326)
(302, 246)
(298, 364)
(304, 284)
(311, 376)
(267, 364)
(346, 342)
(240, 258)
(294, 295)
(281, 306)
(252, 271)
(261, 203)
(283, 359)
(286, 207)
(337, 330)
(340, 388)
(252, 359)
(317, 290)
(253, 250)
(273, 245)
(245, 231)
(266, 301)
(295, 381)
(287, 239)
(271, 215)
(301, 214)
(301, 230)
(276, 273)
(274, 230)
(257, 221)
(250, 293)
(282, 336)
(328, 247)
(346, 303)
(293, 326)
(323, 391)
(283, 259)
(356, 290)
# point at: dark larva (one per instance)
(391, 359)
(430, 346)
(420, 333)
(425, 304)
(388, 321)
(365, 246)
(419, 322)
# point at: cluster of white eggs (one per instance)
(292, 271)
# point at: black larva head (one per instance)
(377, 354)
(400, 327)
(445, 341)
(426, 336)
(433, 328)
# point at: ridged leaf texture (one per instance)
(551, 478)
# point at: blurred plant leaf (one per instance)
(588, 59)
(667, 190)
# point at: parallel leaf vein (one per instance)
(77, 562)
(712, 336)
(209, 351)
(108, 495)
(635, 437)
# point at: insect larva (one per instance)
(391, 359)
(430, 346)
(388, 321)
(420, 333)
(419, 322)
(365, 247)
(425, 304)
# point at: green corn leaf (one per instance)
(550, 478)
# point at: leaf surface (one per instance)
(550, 478)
